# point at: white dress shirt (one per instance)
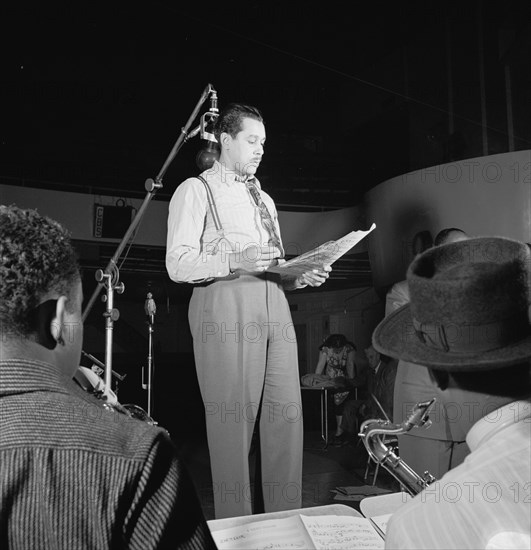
(483, 503)
(195, 251)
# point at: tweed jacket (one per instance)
(75, 475)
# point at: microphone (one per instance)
(209, 118)
(210, 151)
(150, 308)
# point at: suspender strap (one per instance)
(212, 205)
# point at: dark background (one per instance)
(94, 96)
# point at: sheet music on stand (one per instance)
(318, 528)
(325, 254)
(301, 531)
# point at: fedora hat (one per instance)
(469, 307)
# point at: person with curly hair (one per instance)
(74, 474)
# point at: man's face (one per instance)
(372, 356)
(244, 152)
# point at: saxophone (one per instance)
(90, 381)
(373, 433)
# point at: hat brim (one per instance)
(394, 336)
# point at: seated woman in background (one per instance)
(336, 360)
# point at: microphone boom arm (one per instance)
(151, 187)
(109, 277)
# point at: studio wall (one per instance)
(483, 196)
(301, 231)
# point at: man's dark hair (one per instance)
(513, 381)
(444, 234)
(36, 257)
(230, 119)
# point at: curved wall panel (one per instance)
(483, 196)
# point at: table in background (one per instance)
(324, 409)
(325, 392)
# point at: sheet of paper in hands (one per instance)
(325, 254)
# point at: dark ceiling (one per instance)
(95, 95)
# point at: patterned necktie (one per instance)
(265, 216)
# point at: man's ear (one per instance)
(56, 327)
(225, 139)
(44, 323)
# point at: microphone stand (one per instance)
(110, 276)
(112, 285)
(150, 309)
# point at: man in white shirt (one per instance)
(468, 323)
(442, 446)
(223, 235)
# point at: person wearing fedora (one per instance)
(443, 445)
(468, 322)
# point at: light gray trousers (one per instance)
(246, 354)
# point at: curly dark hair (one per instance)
(37, 257)
(230, 119)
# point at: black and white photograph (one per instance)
(266, 275)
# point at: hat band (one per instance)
(472, 338)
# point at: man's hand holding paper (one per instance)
(315, 277)
(315, 262)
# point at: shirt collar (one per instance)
(23, 376)
(496, 421)
(245, 179)
(220, 172)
